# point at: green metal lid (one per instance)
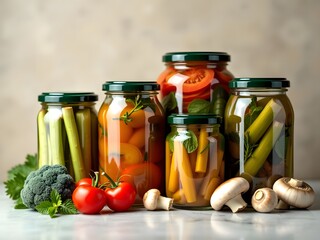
(117, 86)
(196, 56)
(194, 119)
(259, 83)
(71, 97)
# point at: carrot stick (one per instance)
(173, 184)
(185, 172)
(213, 184)
(203, 151)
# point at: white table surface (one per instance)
(174, 224)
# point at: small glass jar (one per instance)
(131, 135)
(67, 129)
(259, 124)
(194, 160)
(195, 82)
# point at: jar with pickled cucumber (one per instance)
(67, 127)
(195, 82)
(194, 160)
(132, 135)
(259, 124)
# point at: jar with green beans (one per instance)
(259, 124)
(67, 129)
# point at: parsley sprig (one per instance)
(55, 205)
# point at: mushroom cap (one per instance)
(228, 190)
(264, 200)
(150, 199)
(294, 192)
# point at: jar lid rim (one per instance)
(194, 119)
(72, 97)
(196, 56)
(260, 82)
(116, 86)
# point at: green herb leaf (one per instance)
(191, 143)
(43, 207)
(253, 113)
(16, 177)
(169, 103)
(68, 208)
(199, 106)
(56, 206)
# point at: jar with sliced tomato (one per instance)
(195, 82)
(132, 134)
(194, 159)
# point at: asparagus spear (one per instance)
(42, 140)
(83, 119)
(74, 143)
(53, 120)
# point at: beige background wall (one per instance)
(74, 45)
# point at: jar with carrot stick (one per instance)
(194, 159)
(259, 124)
(132, 135)
(67, 127)
(195, 82)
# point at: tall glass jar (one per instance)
(67, 131)
(194, 160)
(259, 124)
(131, 135)
(195, 82)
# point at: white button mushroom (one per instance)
(152, 200)
(264, 200)
(294, 192)
(229, 194)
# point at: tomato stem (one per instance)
(95, 179)
(113, 183)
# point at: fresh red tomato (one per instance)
(84, 181)
(120, 197)
(89, 199)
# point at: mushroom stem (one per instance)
(164, 203)
(282, 205)
(236, 204)
(295, 182)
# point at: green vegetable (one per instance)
(260, 154)
(74, 143)
(263, 121)
(55, 206)
(39, 184)
(199, 106)
(16, 178)
(215, 106)
(42, 139)
(83, 119)
(53, 121)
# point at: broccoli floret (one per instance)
(38, 185)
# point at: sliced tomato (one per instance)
(198, 79)
(163, 76)
(224, 77)
(202, 94)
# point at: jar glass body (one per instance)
(131, 139)
(194, 164)
(259, 128)
(67, 135)
(188, 82)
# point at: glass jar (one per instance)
(131, 135)
(259, 122)
(67, 132)
(195, 82)
(194, 160)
